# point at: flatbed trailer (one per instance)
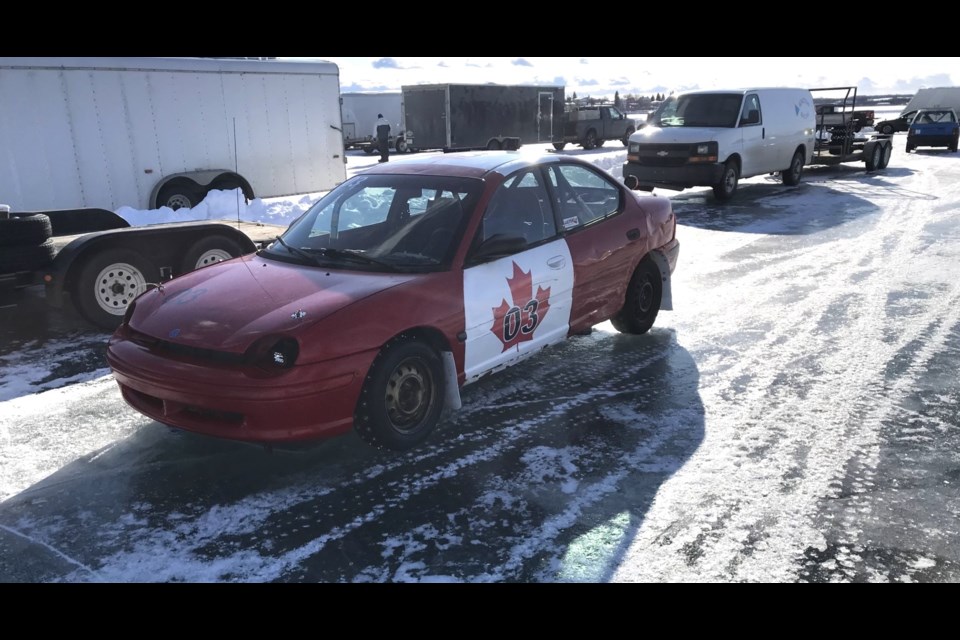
(94, 261)
(840, 139)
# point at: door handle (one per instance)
(556, 262)
(633, 234)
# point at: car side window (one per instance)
(582, 195)
(519, 209)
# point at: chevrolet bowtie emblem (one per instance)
(662, 153)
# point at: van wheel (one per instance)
(727, 186)
(791, 176)
(642, 302)
(402, 397)
(109, 282)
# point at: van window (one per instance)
(700, 110)
(750, 115)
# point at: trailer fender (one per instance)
(188, 189)
(163, 245)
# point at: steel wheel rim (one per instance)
(212, 256)
(178, 201)
(117, 285)
(645, 296)
(409, 394)
(729, 181)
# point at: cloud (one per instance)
(620, 82)
(441, 64)
(520, 62)
(587, 83)
(385, 63)
(938, 80)
(584, 61)
(353, 87)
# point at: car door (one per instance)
(517, 279)
(590, 208)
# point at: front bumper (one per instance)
(310, 401)
(681, 177)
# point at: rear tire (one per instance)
(791, 176)
(494, 145)
(402, 397)
(885, 158)
(626, 136)
(109, 282)
(642, 301)
(589, 140)
(559, 146)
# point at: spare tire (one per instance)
(25, 229)
(27, 257)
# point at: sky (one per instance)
(602, 77)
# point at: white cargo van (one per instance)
(714, 138)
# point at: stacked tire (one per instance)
(25, 241)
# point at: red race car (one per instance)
(394, 290)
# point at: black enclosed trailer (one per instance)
(461, 117)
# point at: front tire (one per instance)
(886, 130)
(727, 186)
(626, 136)
(791, 177)
(109, 282)
(642, 302)
(402, 396)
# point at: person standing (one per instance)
(382, 131)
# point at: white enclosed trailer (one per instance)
(147, 132)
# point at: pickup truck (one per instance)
(591, 127)
(838, 115)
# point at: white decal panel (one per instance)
(515, 306)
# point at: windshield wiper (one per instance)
(299, 252)
(349, 255)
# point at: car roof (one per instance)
(471, 163)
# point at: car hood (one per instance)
(230, 304)
(673, 135)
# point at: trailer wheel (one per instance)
(207, 251)
(109, 282)
(401, 145)
(178, 195)
(369, 149)
(27, 257)
(875, 158)
(559, 146)
(25, 230)
(885, 158)
(494, 145)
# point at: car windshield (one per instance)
(382, 223)
(700, 110)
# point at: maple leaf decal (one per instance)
(516, 322)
